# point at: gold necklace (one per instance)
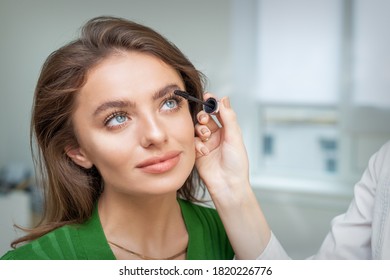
(146, 257)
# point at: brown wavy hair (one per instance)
(70, 192)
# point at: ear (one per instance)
(78, 156)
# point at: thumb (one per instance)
(228, 118)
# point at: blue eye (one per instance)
(120, 119)
(170, 104)
(116, 120)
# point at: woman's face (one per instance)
(131, 126)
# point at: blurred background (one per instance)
(309, 80)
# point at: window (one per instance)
(319, 74)
(304, 140)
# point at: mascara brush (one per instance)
(210, 106)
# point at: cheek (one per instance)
(186, 130)
(108, 150)
(187, 138)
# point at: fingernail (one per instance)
(202, 118)
(226, 102)
(204, 131)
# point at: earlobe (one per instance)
(78, 156)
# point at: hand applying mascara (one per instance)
(224, 169)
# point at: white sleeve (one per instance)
(273, 251)
(351, 233)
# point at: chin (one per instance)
(160, 183)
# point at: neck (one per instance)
(151, 226)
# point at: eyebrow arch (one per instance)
(113, 104)
(124, 104)
(164, 91)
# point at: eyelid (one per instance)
(113, 115)
(172, 96)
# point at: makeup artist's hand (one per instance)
(222, 163)
(222, 159)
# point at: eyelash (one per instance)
(112, 116)
(176, 98)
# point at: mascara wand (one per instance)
(210, 106)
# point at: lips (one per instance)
(160, 164)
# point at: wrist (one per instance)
(232, 195)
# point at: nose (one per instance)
(152, 131)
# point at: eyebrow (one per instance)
(130, 104)
(113, 104)
(164, 91)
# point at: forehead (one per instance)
(127, 75)
(133, 67)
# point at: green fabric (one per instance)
(207, 239)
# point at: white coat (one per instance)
(363, 231)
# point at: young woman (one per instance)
(122, 157)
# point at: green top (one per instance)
(206, 234)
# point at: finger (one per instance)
(201, 148)
(228, 118)
(203, 132)
(205, 119)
